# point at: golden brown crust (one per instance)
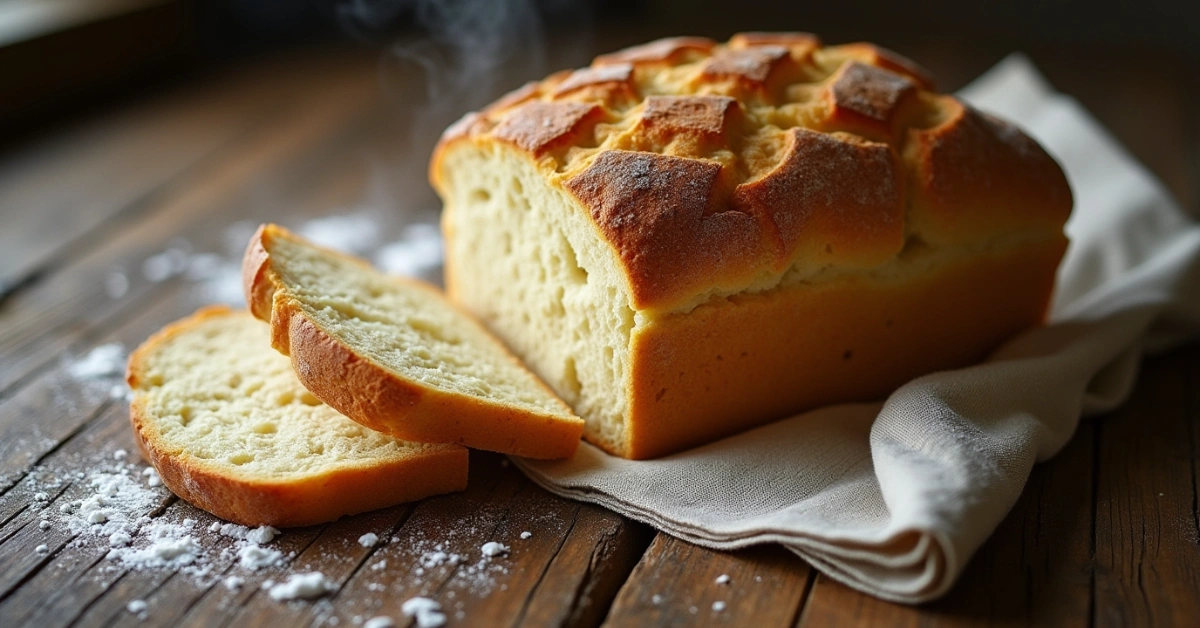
(731, 365)
(975, 175)
(539, 127)
(316, 499)
(380, 399)
(817, 206)
(640, 202)
(741, 108)
(672, 50)
(866, 99)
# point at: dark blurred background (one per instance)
(61, 59)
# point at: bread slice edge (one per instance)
(374, 396)
(316, 499)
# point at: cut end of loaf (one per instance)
(394, 355)
(223, 419)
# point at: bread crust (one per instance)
(964, 174)
(830, 161)
(316, 499)
(377, 398)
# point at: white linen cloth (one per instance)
(894, 498)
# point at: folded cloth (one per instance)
(894, 498)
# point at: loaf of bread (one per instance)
(394, 355)
(223, 419)
(686, 238)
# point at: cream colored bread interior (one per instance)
(407, 329)
(549, 286)
(218, 392)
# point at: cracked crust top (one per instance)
(710, 166)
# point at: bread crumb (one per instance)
(718, 606)
(381, 621)
(492, 548)
(723, 579)
(427, 612)
(526, 534)
(368, 540)
(304, 586)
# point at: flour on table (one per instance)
(379, 622)
(492, 548)
(427, 612)
(368, 540)
(302, 586)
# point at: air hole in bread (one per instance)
(265, 428)
(571, 377)
(480, 195)
(185, 416)
(235, 380)
(241, 459)
(308, 399)
(284, 398)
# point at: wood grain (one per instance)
(676, 584)
(1147, 555)
(86, 180)
(1105, 533)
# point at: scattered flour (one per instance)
(723, 579)
(427, 612)
(151, 477)
(656, 599)
(136, 606)
(101, 362)
(368, 540)
(116, 285)
(356, 233)
(718, 606)
(233, 583)
(254, 557)
(418, 251)
(526, 534)
(42, 549)
(169, 263)
(379, 622)
(303, 586)
(44, 525)
(492, 548)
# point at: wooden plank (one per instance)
(1147, 558)
(676, 584)
(38, 323)
(56, 192)
(499, 505)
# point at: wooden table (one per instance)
(1105, 534)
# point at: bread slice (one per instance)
(396, 356)
(223, 419)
